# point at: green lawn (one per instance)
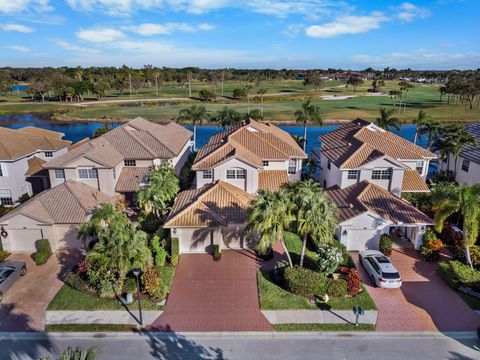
(294, 246)
(472, 301)
(90, 328)
(324, 327)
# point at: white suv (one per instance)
(381, 271)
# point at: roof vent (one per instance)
(350, 205)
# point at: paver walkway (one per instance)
(214, 296)
(24, 304)
(423, 303)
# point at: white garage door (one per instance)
(24, 239)
(195, 240)
(232, 238)
(67, 237)
(359, 240)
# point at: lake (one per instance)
(75, 131)
(19, 88)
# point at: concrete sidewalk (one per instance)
(318, 317)
(99, 317)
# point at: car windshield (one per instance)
(382, 260)
(390, 275)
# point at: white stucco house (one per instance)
(230, 170)
(22, 153)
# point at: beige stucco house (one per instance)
(230, 170)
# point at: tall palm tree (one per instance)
(103, 216)
(421, 117)
(429, 127)
(261, 92)
(194, 114)
(308, 113)
(387, 120)
(189, 77)
(458, 138)
(268, 216)
(450, 199)
(227, 117)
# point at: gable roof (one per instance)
(360, 142)
(250, 141)
(364, 196)
(272, 179)
(413, 182)
(34, 165)
(215, 204)
(130, 178)
(32, 130)
(470, 152)
(138, 139)
(17, 143)
(77, 202)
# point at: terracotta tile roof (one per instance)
(364, 196)
(250, 141)
(138, 139)
(15, 144)
(214, 204)
(272, 179)
(32, 130)
(34, 165)
(413, 182)
(130, 178)
(360, 142)
(77, 201)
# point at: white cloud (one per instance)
(16, 6)
(293, 30)
(347, 25)
(75, 48)
(99, 35)
(16, 27)
(408, 12)
(18, 48)
(167, 28)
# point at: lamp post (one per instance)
(358, 310)
(136, 272)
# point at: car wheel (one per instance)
(374, 283)
(23, 271)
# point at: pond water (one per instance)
(19, 88)
(75, 131)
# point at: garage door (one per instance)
(359, 240)
(67, 237)
(232, 238)
(24, 239)
(196, 240)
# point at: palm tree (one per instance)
(422, 116)
(394, 94)
(161, 188)
(455, 137)
(194, 114)
(101, 130)
(308, 113)
(432, 128)
(189, 77)
(315, 215)
(261, 92)
(247, 93)
(387, 120)
(268, 216)
(227, 117)
(103, 216)
(450, 199)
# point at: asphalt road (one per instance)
(356, 346)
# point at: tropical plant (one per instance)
(227, 117)
(194, 114)
(254, 114)
(454, 138)
(101, 130)
(404, 88)
(308, 113)
(261, 92)
(207, 95)
(159, 253)
(387, 120)
(329, 257)
(385, 244)
(267, 217)
(421, 117)
(161, 188)
(102, 216)
(431, 128)
(448, 200)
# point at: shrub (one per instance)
(24, 198)
(5, 209)
(152, 283)
(428, 236)
(450, 236)
(305, 282)
(207, 95)
(337, 287)
(75, 281)
(3, 255)
(428, 254)
(149, 223)
(475, 255)
(329, 257)
(175, 250)
(346, 258)
(216, 252)
(44, 251)
(385, 244)
(240, 93)
(157, 246)
(353, 282)
(130, 285)
(457, 274)
(435, 245)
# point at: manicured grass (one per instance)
(324, 327)
(90, 328)
(471, 301)
(167, 273)
(273, 297)
(363, 299)
(294, 246)
(68, 298)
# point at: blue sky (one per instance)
(436, 34)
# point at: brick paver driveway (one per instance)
(24, 304)
(423, 303)
(214, 296)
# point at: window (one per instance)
(265, 162)
(352, 174)
(114, 173)
(6, 197)
(292, 166)
(48, 154)
(130, 163)
(230, 174)
(207, 174)
(59, 174)
(87, 173)
(241, 174)
(329, 164)
(1, 171)
(419, 167)
(236, 174)
(465, 165)
(381, 174)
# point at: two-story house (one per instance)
(22, 153)
(365, 169)
(118, 161)
(230, 170)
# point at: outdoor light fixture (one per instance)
(3, 232)
(136, 272)
(357, 311)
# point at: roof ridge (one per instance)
(136, 140)
(212, 152)
(360, 148)
(67, 185)
(273, 146)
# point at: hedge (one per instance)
(44, 252)
(305, 282)
(174, 251)
(457, 274)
